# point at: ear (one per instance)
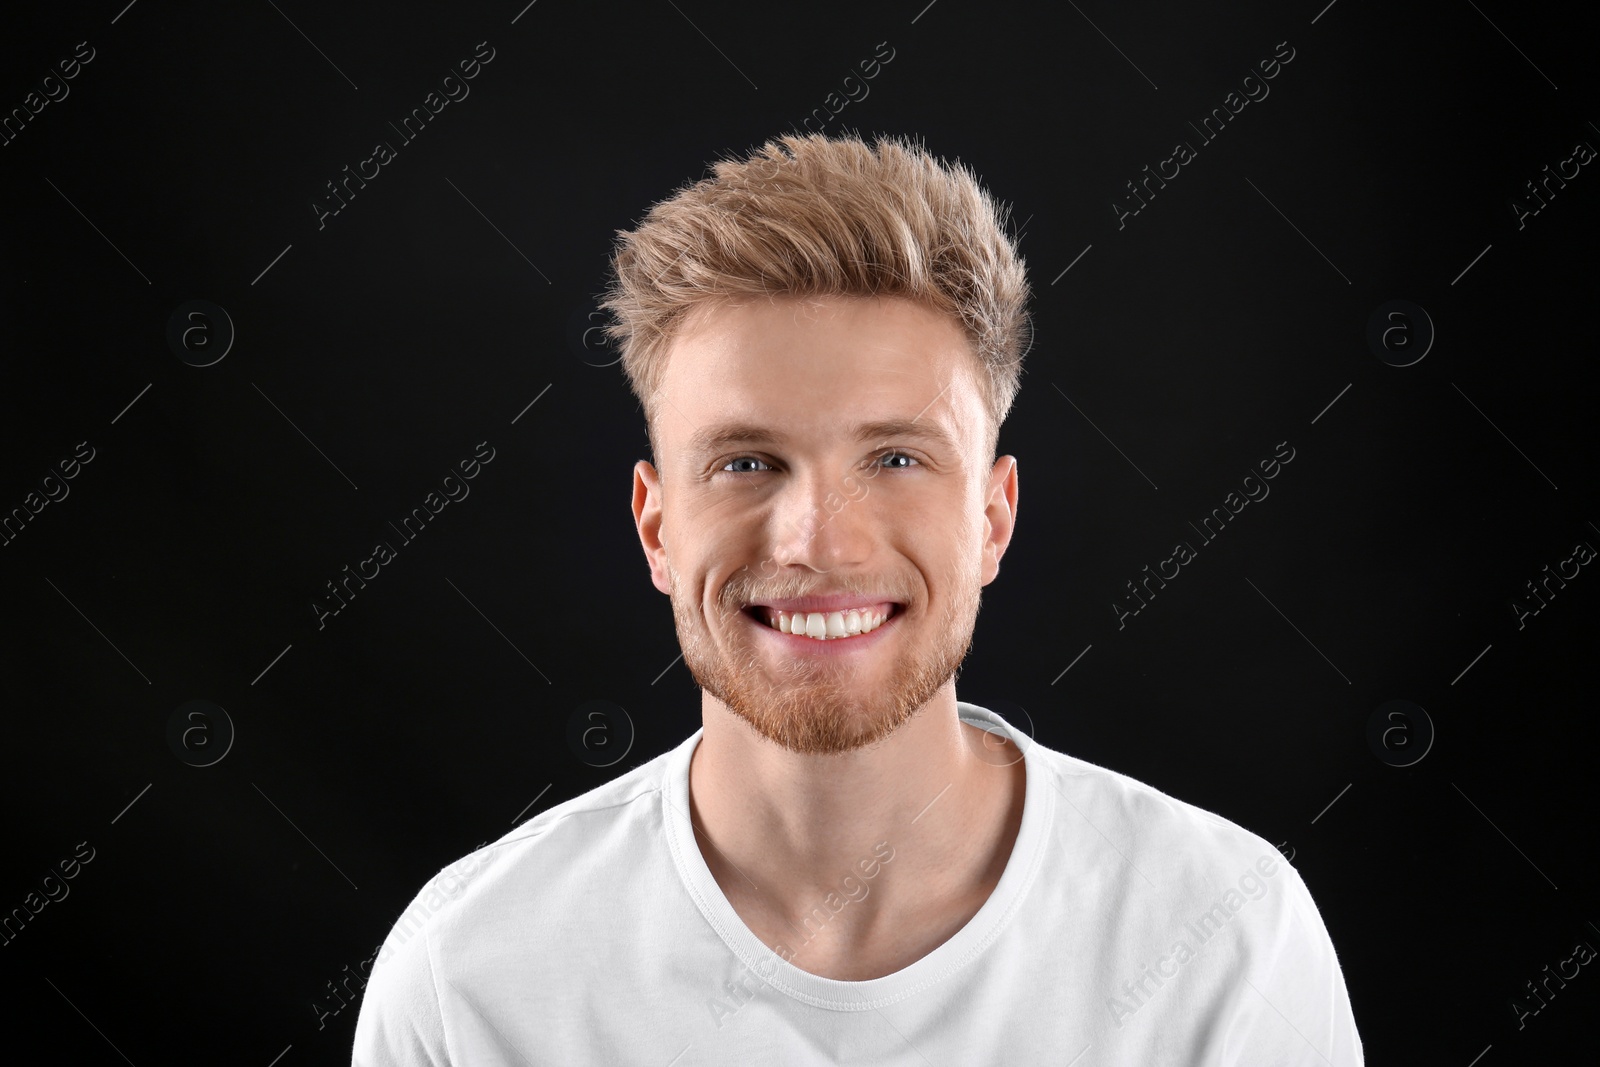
(1000, 514)
(647, 517)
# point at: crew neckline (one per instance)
(1027, 852)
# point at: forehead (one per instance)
(817, 366)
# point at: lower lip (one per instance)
(795, 645)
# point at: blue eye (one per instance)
(881, 456)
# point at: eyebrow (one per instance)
(720, 435)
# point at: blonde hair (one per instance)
(807, 215)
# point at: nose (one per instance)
(823, 522)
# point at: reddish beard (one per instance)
(815, 706)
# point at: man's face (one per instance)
(823, 448)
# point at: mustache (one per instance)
(736, 594)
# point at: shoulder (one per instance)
(1165, 833)
(1217, 892)
(538, 859)
(1168, 862)
(529, 877)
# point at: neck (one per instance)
(781, 831)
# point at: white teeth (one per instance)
(827, 626)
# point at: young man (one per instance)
(846, 864)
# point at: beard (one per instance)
(815, 706)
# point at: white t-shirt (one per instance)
(1127, 928)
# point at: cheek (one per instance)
(945, 535)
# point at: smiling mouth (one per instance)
(825, 625)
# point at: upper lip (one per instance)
(824, 604)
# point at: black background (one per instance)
(374, 353)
